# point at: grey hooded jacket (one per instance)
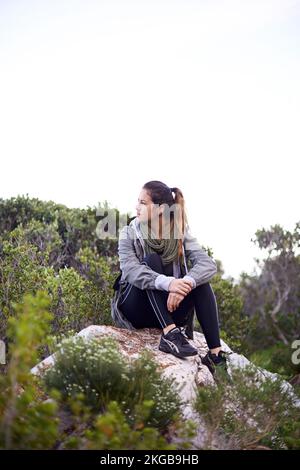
(199, 268)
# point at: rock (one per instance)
(189, 373)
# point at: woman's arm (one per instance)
(134, 272)
(203, 266)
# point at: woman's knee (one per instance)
(205, 287)
(205, 292)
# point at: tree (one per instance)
(274, 294)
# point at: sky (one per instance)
(99, 97)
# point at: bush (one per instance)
(26, 422)
(98, 371)
(70, 300)
(249, 412)
(111, 431)
(45, 246)
(234, 324)
(30, 419)
(276, 359)
(20, 273)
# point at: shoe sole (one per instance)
(174, 353)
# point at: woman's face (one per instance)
(145, 208)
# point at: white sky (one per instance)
(98, 97)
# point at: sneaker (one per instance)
(175, 342)
(215, 361)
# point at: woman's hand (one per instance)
(174, 298)
(180, 286)
(174, 301)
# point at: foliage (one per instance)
(52, 260)
(249, 412)
(32, 419)
(234, 324)
(97, 370)
(112, 431)
(273, 295)
(53, 248)
(276, 359)
(25, 421)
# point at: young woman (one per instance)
(156, 288)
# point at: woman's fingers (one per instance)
(173, 301)
(184, 290)
(179, 299)
(186, 287)
(179, 286)
(170, 304)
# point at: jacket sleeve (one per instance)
(203, 266)
(133, 270)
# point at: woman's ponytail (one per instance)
(180, 219)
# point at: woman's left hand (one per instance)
(174, 301)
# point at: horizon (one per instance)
(98, 98)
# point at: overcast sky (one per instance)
(98, 97)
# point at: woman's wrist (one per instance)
(190, 279)
(162, 282)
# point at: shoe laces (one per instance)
(182, 331)
(180, 334)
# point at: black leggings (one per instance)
(148, 308)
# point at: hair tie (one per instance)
(172, 190)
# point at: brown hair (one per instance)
(160, 193)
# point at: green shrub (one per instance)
(249, 412)
(276, 359)
(75, 227)
(26, 422)
(100, 273)
(32, 419)
(70, 300)
(111, 431)
(98, 370)
(56, 249)
(234, 324)
(20, 273)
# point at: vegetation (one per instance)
(98, 370)
(249, 412)
(56, 277)
(99, 415)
